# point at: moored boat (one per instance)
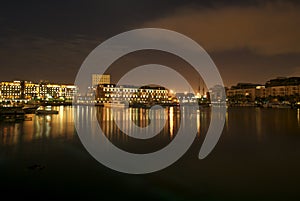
(45, 112)
(115, 104)
(12, 113)
(30, 109)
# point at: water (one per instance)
(257, 158)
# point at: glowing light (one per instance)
(171, 117)
(198, 121)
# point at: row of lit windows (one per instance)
(118, 89)
(135, 90)
(10, 94)
(133, 95)
(7, 92)
(10, 87)
(35, 88)
(112, 88)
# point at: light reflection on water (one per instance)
(62, 125)
(256, 121)
(298, 116)
(140, 117)
(41, 127)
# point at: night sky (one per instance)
(249, 41)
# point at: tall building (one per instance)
(100, 79)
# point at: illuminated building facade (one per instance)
(142, 95)
(279, 87)
(186, 97)
(10, 90)
(29, 90)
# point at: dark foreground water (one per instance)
(257, 158)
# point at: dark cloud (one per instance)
(243, 65)
(248, 40)
(268, 29)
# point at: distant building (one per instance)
(244, 91)
(100, 79)
(68, 91)
(186, 97)
(283, 91)
(10, 90)
(217, 94)
(279, 87)
(49, 90)
(29, 90)
(132, 94)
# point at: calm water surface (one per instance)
(257, 158)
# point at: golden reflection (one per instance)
(171, 121)
(298, 116)
(48, 127)
(198, 121)
(140, 117)
(226, 120)
(258, 123)
(62, 125)
(41, 126)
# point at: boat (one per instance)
(45, 112)
(282, 106)
(11, 113)
(115, 104)
(30, 109)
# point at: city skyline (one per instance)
(280, 86)
(201, 83)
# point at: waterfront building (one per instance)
(186, 98)
(29, 90)
(10, 90)
(243, 91)
(48, 91)
(283, 91)
(279, 87)
(68, 91)
(217, 94)
(106, 93)
(56, 91)
(283, 86)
